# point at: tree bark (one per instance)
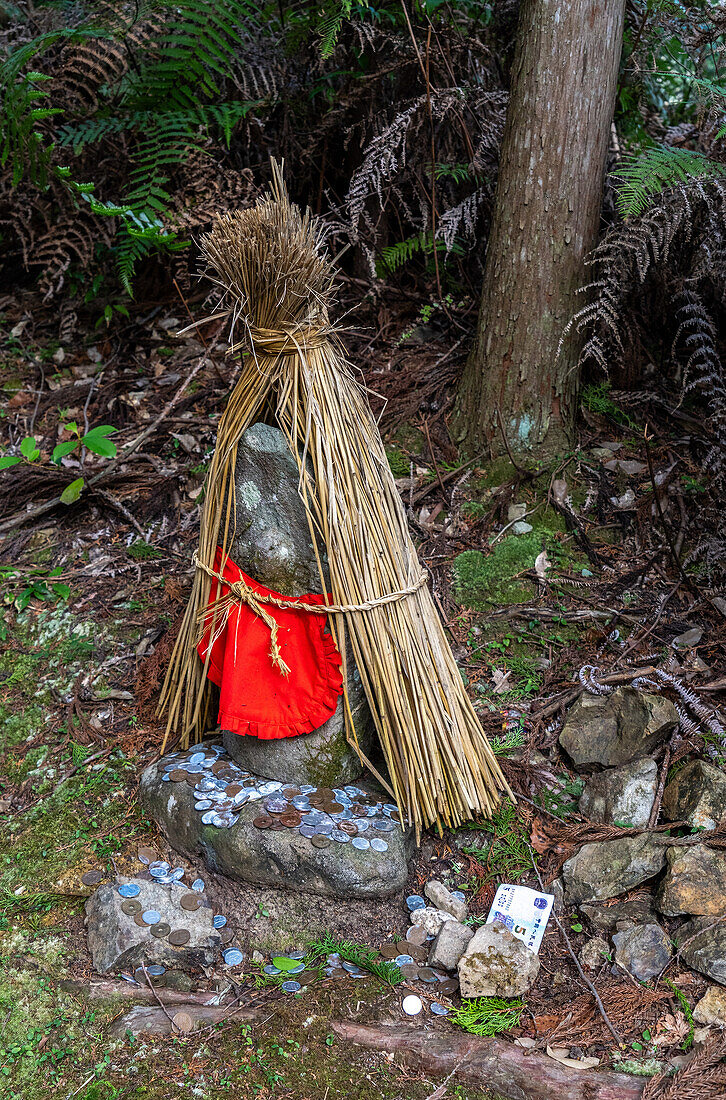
(546, 218)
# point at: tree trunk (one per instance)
(546, 218)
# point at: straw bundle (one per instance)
(278, 285)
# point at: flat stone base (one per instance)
(280, 857)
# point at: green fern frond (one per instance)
(363, 957)
(644, 176)
(330, 25)
(488, 1015)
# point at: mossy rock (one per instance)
(481, 581)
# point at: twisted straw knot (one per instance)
(294, 339)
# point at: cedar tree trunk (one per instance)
(546, 219)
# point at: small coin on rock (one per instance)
(219, 921)
(160, 930)
(182, 1022)
(179, 937)
(191, 902)
(198, 885)
(419, 953)
(320, 841)
(378, 845)
(414, 902)
(416, 935)
(264, 821)
(426, 974)
(291, 987)
(232, 956)
(91, 878)
(410, 971)
(131, 907)
(291, 819)
(139, 919)
(179, 775)
(147, 855)
(150, 916)
(349, 828)
(129, 890)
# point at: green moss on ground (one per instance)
(481, 581)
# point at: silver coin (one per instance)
(276, 805)
(204, 804)
(166, 778)
(241, 797)
(363, 823)
(129, 890)
(378, 845)
(208, 817)
(403, 960)
(324, 828)
(225, 820)
(353, 791)
(360, 843)
(307, 788)
(254, 796)
(383, 825)
(233, 957)
(307, 831)
(439, 1010)
(129, 978)
(291, 987)
(313, 817)
(269, 787)
(177, 874)
(339, 836)
(297, 969)
(389, 807)
(158, 865)
(301, 802)
(151, 916)
(197, 758)
(414, 902)
(297, 955)
(352, 968)
(198, 885)
(272, 971)
(219, 921)
(156, 970)
(206, 785)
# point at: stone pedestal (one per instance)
(272, 544)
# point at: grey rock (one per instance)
(430, 919)
(711, 1009)
(607, 868)
(444, 900)
(282, 859)
(496, 964)
(116, 942)
(688, 638)
(606, 917)
(644, 950)
(450, 944)
(696, 795)
(703, 947)
(594, 953)
(273, 544)
(615, 729)
(557, 889)
(521, 527)
(623, 795)
(694, 883)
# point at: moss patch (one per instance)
(482, 581)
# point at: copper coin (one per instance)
(91, 878)
(416, 935)
(410, 971)
(264, 821)
(417, 952)
(316, 803)
(161, 930)
(348, 827)
(190, 902)
(147, 855)
(192, 780)
(326, 792)
(179, 937)
(359, 811)
(138, 919)
(131, 907)
(293, 792)
(426, 974)
(320, 841)
(179, 775)
(182, 1022)
(277, 827)
(390, 950)
(225, 935)
(334, 807)
(233, 789)
(290, 819)
(220, 766)
(449, 986)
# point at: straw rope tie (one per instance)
(292, 340)
(241, 592)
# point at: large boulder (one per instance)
(694, 883)
(496, 964)
(606, 868)
(621, 796)
(696, 795)
(272, 543)
(615, 729)
(281, 857)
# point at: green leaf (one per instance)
(285, 964)
(72, 492)
(97, 441)
(63, 449)
(28, 448)
(9, 460)
(62, 591)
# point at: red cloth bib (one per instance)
(255, 698)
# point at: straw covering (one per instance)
(278, 284)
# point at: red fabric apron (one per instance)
(255, 698)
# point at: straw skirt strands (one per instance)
(269, 261)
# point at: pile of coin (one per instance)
(324, 815)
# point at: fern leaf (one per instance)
(644, 176)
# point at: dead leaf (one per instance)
(500, 679)
(541, 564)
(561, 1055)
(559, 491)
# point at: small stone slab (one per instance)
(450, 944)
(117, 942)
(496, 964)
(694, 883)
(621, 796)
(606, 868)
(703, 947)
(696, 795)
(266, 857)
(615, 729)
(644, 950)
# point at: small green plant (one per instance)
(364, 957)
(488, 1015)
(687, 1012)
(508, 853)
(20, 586)
(95, 440)
(596, 399)
(141, 550)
